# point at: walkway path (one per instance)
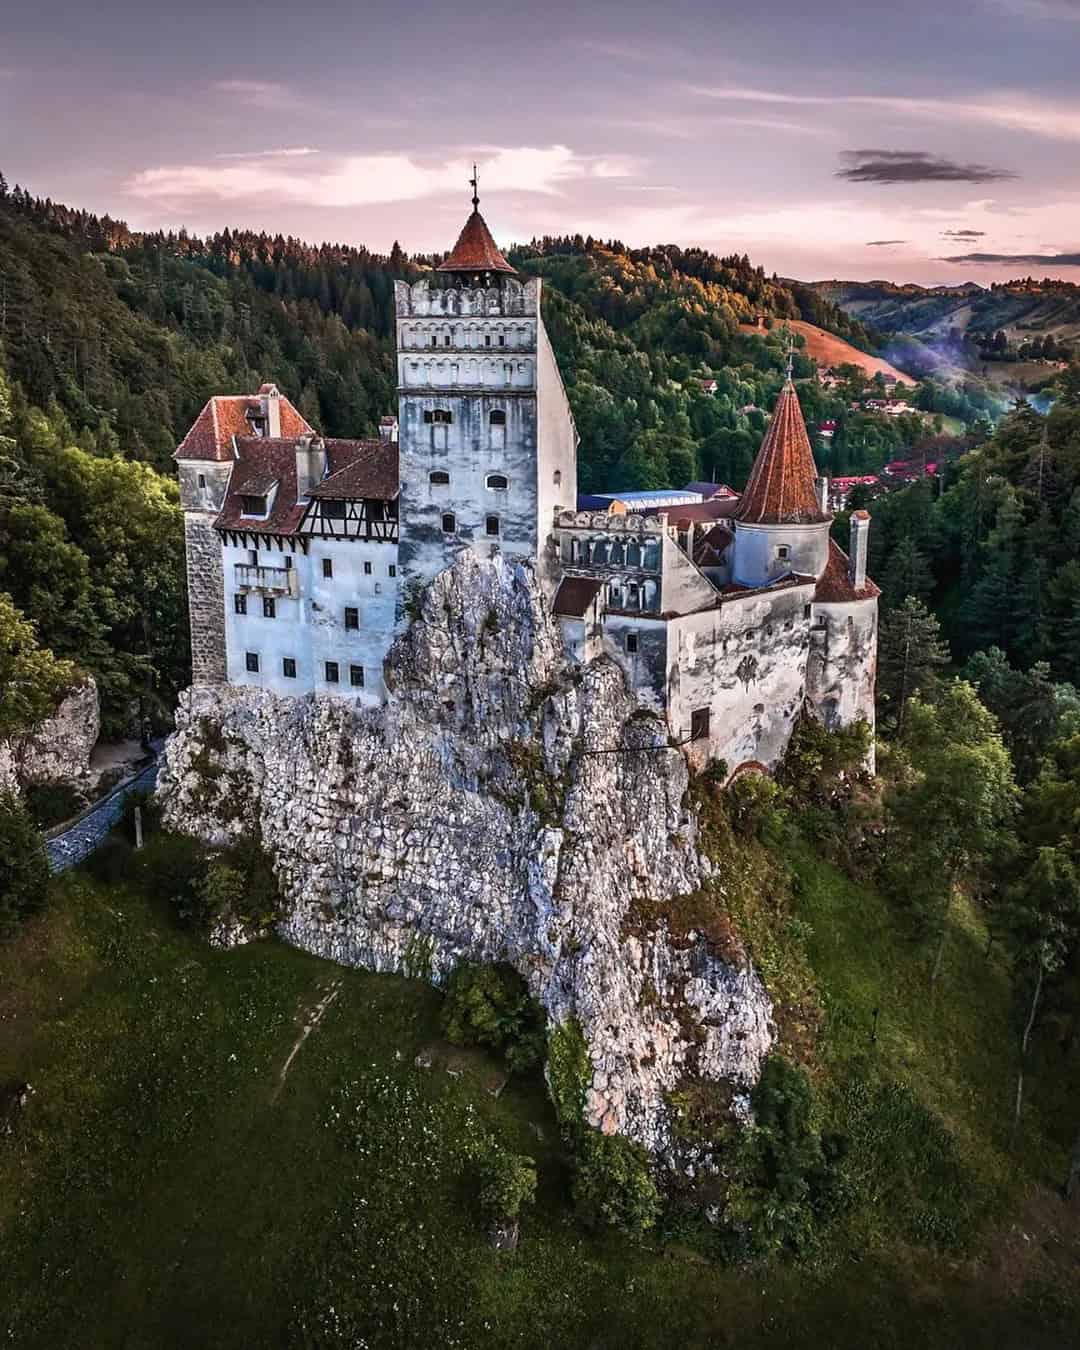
(67, 847)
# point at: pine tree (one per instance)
(907, 573)
(910, 655)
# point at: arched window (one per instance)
(556, 477)
(491, 526)
(439, 478)
(497, 417)
(497, 482)
(449, 523)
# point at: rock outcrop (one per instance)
(502, 806)
(59, 748)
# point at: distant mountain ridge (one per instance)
(1021, 308)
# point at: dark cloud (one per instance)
(913, 166)
(883, 243)
(1019, 259)
(963, 234)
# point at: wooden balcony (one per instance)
(272, 580)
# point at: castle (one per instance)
(728, 613)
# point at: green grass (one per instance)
(167, 1190)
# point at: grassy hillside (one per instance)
(828, 350)
(169, 1187)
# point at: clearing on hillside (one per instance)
(829, 350)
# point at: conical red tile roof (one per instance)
(475, 250)
(782, 486)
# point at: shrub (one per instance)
(614, 1186)
(490, 1006)
(170, 867)
(112, 861)
(785, 1175)
(507, 1181)
(755, 806)
(52, 802)
(24, 868)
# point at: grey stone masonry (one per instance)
(206, 598)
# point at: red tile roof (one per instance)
(833, 586)
(709, 547)
(710, 490)
(720, 508)
(226, 416)
(369, 469)
(781, 489)
(356, 468)
(475, 250)
(575, 595)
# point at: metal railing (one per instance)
(278, 579)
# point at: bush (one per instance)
(786, 1178)
(614, 1186)
(24, 868)
(52, 802)
(507, 1181)
(112, 861)
(755, 806)
(490, 1006)
(170, 867)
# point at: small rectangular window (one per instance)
(699, 724)
(288, 667)
(392, 570)
(449, 523)
(487, 340)
(253, 557)
(491, 527)
(631, 643)
(288, 563)
(356, 676)
(429, 416)
(806, 611)
(352, 619)
(783, 552)
(446, 342)
(367, 569)
(328, 567)
(269, 607)
(240, 603)
(331, 672)
(434, 340)
(251, 662)
(502, 341)
(333, 510)
(252, 506)
(202, 480)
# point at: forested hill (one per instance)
(129, 334)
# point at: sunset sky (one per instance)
(838, 139)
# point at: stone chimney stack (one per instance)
(310, 464)
(388, 428)
(822, 486)
(860, 533)
(270, 399)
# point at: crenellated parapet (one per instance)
(427, 299)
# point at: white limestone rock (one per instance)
(59, 748)
(480, 816)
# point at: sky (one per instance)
(934, 141)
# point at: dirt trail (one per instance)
(311, 1019)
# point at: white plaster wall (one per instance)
(755, 560)
(683, 588)
(310, 627)
(746, 662)
(556, 453)
(843, 662)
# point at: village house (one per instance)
(728, 613)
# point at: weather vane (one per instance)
(474, 183)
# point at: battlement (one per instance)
(427, 298)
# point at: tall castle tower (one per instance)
(488, 448)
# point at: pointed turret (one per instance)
(782, 488)
(475, 250)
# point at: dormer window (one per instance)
(251, 505)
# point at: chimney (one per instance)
(270, 399)
(860, 532)
(388, 428)
(822, 486)
(310, 464)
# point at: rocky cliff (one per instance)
(502, 806)
(59, 748)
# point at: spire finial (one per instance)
(790, 358)
(474, 183)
